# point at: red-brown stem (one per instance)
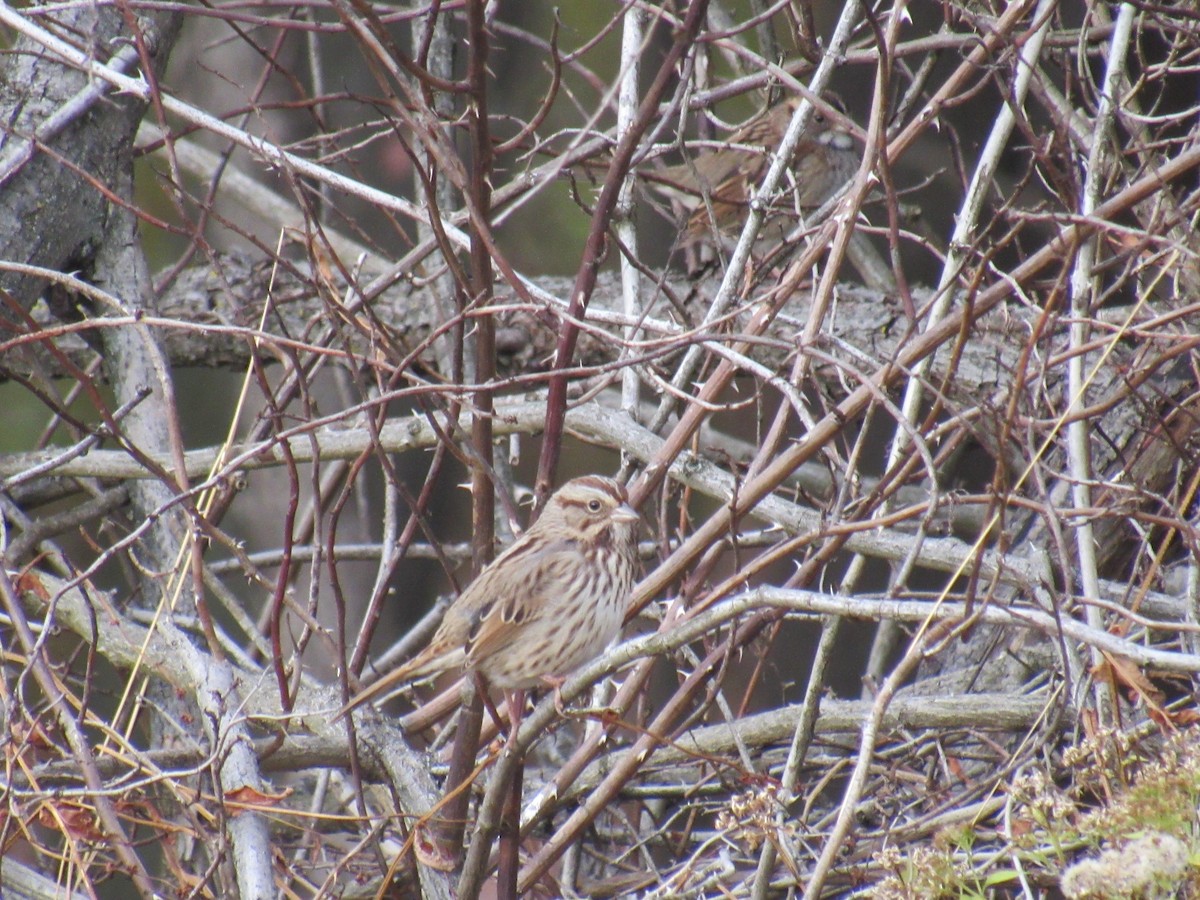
(466, 738)
(585, 280)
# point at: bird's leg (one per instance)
(556, 682)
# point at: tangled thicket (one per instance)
(917, 469)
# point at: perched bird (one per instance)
(546, 605)
(714, 188)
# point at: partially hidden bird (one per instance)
(714, 187)
(545, 606)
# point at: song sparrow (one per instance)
(714, 187)
(546, 605)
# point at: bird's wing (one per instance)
(506, 603)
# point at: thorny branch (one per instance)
(211, 522)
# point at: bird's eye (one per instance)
(594, 506)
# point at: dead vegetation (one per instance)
(917, 467)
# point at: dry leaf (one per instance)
(430, 852)
(248, 796)
(76, 820)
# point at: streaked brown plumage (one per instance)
(546, 605)
(714, 188)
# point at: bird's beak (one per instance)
(625, 513)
